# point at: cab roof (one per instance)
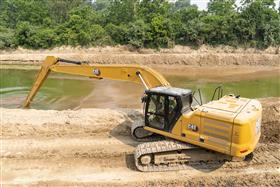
(170, 91)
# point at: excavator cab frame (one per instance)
(164, 106)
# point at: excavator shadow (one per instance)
(130, 163)
(122, 132)
(207, 167)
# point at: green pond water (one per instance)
(71, 92)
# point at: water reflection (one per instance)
(72, 92)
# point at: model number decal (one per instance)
(192, 127)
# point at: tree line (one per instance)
(140, 23)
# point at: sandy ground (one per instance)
(93, 147)
(204, 56)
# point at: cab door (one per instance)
(162, 112)
(156, 112)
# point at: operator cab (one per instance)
(164, 106)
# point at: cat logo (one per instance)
(192, 127)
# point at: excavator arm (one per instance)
(133, 73)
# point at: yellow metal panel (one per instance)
(177, 129)
(115, 72)
(184, 139)
(191, 118)
(215, 131)
(246, 131)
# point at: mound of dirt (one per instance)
(271, 120)
(80, 123)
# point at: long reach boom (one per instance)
(133, 73)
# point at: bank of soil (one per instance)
(93, 147)
(271, 120)
(204, 56)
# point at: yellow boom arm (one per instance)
(134, 73)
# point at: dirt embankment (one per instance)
(93, 147)
(204, 56)
(271, 120)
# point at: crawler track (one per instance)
(184, 155)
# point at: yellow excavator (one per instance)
(223, 129)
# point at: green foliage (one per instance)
(34, 37)
(148, 9)
(21, 10)
(137, 33)
(121, 11)
(101, 4)
(181, 4)
(6, 38)
(188, 26)
(260, 18)
(272, 33)
(216, 29)
(161, 34)
(221, 7)
(140, 23)
(118, 33)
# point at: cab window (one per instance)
(172, 108)
(156, 112)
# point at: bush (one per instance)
(7, 39)
(161, 32)
(24, 32)
(99, 36)
(34, 37)
(118, 33)
(137, 33)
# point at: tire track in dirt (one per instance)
(85, 172)
(106, 148)
(95, 148)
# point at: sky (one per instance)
(202, 4)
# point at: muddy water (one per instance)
(72, 92)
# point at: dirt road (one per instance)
(93, 147)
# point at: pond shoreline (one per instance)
(206, 73)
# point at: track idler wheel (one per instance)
(138, 131)
(146, 159)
